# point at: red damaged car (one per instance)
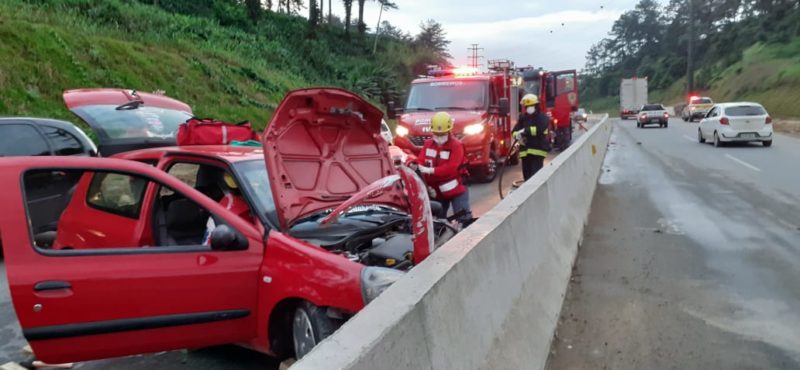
(191, 246)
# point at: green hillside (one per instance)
(742, 51)
(229, 72)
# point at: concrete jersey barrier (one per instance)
(489, 298)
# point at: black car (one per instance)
(38, 136)
(20, 136)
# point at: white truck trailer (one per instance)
(632, 96)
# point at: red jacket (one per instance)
(446, 161)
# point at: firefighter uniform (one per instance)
(533, 132)
(441, 164)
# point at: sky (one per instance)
(518, 30)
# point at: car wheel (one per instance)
(638, 125)
(685, 119)
(767, 143)
(488, 172)
(310, 326)
(717, 143)
(666, 124)
(700, 138)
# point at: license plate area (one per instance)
(747, 136)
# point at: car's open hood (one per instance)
(323, 146)
(118, 129)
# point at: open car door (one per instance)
(120, 297)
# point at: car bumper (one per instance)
(729, 135)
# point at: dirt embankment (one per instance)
(788, 126)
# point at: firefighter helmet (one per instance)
(441, 123)
(230, 181)
(529, 99)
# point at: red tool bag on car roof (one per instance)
(207, 131)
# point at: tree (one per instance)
(362, 27)
(348, 12)
(313, 14)
(253, 9)
(433, 36)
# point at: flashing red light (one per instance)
(464, 71)
(769, 120)
(724, 121)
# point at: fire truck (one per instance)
(558, 97)
(485, 107)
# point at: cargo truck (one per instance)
(632, 96)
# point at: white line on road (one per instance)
(743, 163)
(687, 137)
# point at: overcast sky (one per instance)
(510, 29)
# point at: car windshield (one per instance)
(141, 122)
(652, 107)
(256, 183)
(702, 101)
(455, 94)
(745, 110)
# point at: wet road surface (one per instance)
(482, 198)
(691, 259)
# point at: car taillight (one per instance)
(724, 121)
(643, 117)
(666, 115)
(769, 120)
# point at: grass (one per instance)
(767, 74)
(226, 73)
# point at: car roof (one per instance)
(731, 104)
(228, 153)
(44, 121)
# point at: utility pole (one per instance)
(377, 31)
(475, 57)
(690, 52)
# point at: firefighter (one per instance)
(442, 167)
(533, 133)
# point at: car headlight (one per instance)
(401, 131)
(474, 129)
(374, 280)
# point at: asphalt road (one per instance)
(482, 198)
(691, 259)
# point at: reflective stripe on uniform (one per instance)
(525, 153)
(430, 153)
(533, 131)
(450, 185)
(547, 131)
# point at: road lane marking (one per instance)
(687, 137)
(743, 163)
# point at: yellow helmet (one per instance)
(230, 181)
(529, 99)
(441, 123)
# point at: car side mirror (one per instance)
(224, 238)
(392, 111)
(504, 106)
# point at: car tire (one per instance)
(685, 119)
(488, 173)
(310, 325)
(717, 143)
(700, 138)
(767, 143)
(666, 124)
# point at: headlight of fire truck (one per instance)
(401, 131)
(474, 129)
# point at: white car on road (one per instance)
(736, 122)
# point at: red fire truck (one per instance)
(558, 96)
(485, 106)
(479, 104)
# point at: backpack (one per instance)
(208, 131)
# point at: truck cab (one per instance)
(479, 105)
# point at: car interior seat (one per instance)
(185, 223)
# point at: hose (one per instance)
(513, 152)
